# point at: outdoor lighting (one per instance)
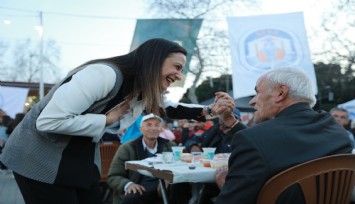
(7, 22)
(39, 29)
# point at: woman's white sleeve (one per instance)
(183, 110)
(63, 112)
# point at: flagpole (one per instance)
(41, 85)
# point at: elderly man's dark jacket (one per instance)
(297, 134)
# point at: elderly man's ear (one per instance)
(283, 92)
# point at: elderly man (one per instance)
(130, 186)
(288, 132)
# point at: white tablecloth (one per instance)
(181, 171)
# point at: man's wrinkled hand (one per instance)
(135, 188)
(221, 174)
(224, 106)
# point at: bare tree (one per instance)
(3, 50)
(26, 66)
(212, 53)
(337, 29)
(337, 38)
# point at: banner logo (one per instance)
(261, 43)
(264, 49)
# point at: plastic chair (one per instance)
(107, 151)
(334, 176)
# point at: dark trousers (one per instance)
(35, 192)
(149, 196)
(208, 192)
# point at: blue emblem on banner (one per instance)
(264, 49)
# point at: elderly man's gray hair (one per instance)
(299, 84)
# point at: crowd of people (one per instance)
(7, 125)
(63, 136)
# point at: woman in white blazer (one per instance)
(54, 151)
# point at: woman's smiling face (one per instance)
(172, 69)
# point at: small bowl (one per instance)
(186, 157)
(217, 163)
(206, 162)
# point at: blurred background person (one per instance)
(18, 118)
(5, 123)
(342, 117)
(183, 131)
(214, 136)
(166, 133)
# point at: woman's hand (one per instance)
(117, 112)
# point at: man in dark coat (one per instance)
(288, 132)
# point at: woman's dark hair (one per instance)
(142, 70)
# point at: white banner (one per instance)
(12, 100)
(260, 43)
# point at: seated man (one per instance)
(342, 117)
(288, 132)
(130, 186)
(215, 136)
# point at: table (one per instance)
(176, 172)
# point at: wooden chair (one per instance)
(107, 151)
(334, 175)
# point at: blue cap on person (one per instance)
(149, 116)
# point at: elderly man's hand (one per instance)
(135, 188)
(223, 107)
(221, 174)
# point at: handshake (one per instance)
(223, 107)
